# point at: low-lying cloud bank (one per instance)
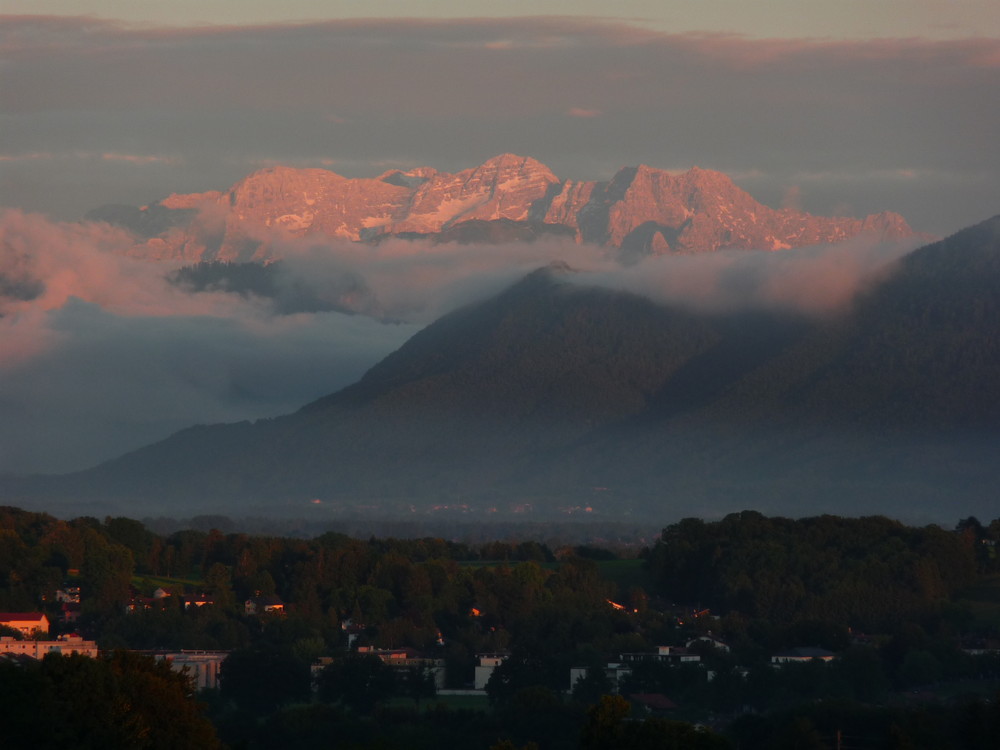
(819, 280)
(100, 353)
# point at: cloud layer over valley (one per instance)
(100, 353)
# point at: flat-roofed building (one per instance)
(202, 666)
(67, 644)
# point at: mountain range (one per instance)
(564, 397)
(639, 211)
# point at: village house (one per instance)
(266, 604)
(317, 667)
(484, 670)
(29, 623)
(615, 671)
(653, 703)
(707, 640)
(202, 666)
(69, 612)
(198, 601)
(353, 630)
(670, 654)
(137, 602)
(70, 594)
(405, 658)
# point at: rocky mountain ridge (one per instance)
(641, 210)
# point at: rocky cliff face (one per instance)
(641, 210)
(505, 187)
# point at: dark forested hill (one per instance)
(555, 395)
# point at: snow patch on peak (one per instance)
(523, 165)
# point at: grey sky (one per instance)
(96, 111)
(855, 19)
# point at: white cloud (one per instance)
(817, 280)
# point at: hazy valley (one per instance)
(658, 364)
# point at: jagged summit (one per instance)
(640, 210)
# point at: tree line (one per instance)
(885, 596)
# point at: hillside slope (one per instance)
(557, 395)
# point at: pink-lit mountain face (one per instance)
(640, 210)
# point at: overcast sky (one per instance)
(775, 18)
(853, 106)
(857, 106)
